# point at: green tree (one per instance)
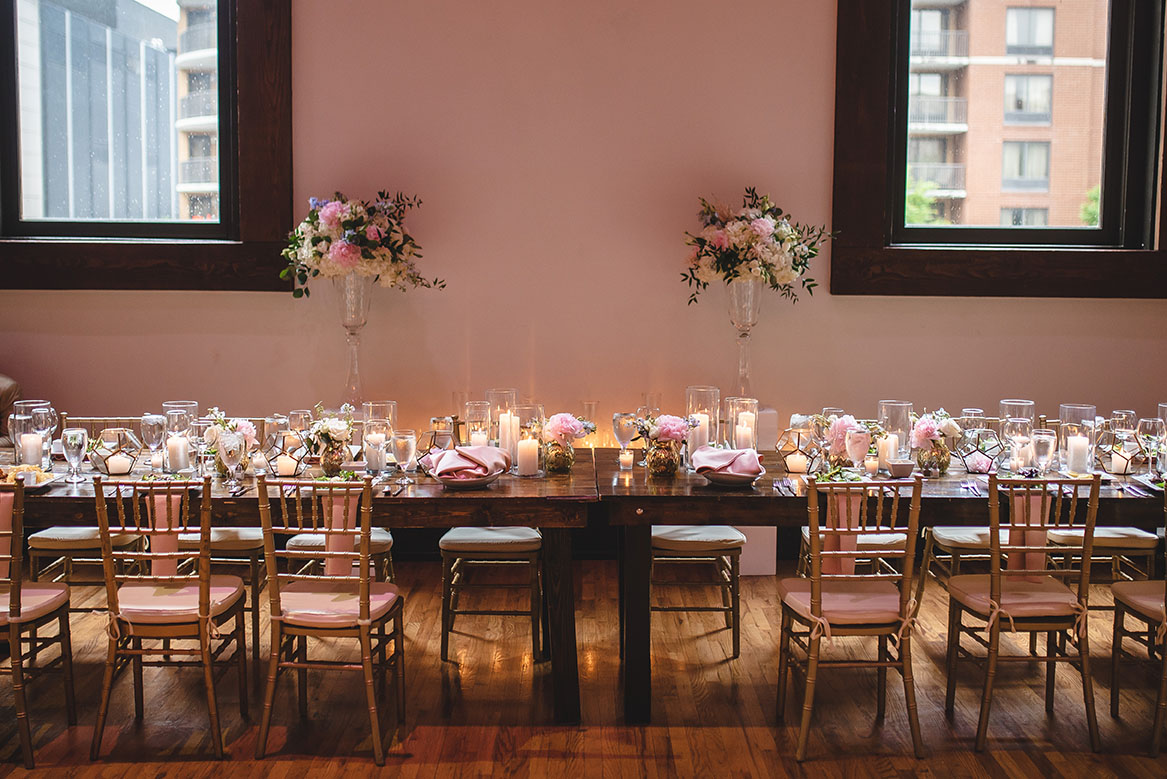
(919, 206)
(1088, 211)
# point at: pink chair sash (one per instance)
(164, 532)
(7, 503)
(842, 542)
(1021, 535)
(340, 542)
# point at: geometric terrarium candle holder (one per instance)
(979, 449)
(286, 455)
(1119, 455)
(114, 451)
(799, 450)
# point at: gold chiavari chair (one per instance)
(1023, 593)
(836, 601)
(30, 605)
(55, 550)
(1146, 602)
(150, 599)
(331, 604)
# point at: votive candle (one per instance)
(285, 465)
(118, 464)
(626, 460)
(796, 462)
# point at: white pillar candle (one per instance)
(285, 465)
(743, 435)
(888, 448)
(1077, 454)
(32, 448)
(178, 449)
(528, 459)
(504, 431)
(478, 438)
(118, 464)
(748, 419)
(699, 436)
(626, 460)
(796, 462)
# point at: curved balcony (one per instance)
(198, 37)
(199, 170)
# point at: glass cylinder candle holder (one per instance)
(501, 401)
(741, 423)
(1012, 408)
(23, 407)
(529, 443)
(703, 403)
(476, 415)
(380, 409)
(895, 417)
(375, 443)
(1078, 435)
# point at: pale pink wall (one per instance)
(560, 149)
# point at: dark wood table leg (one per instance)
(637, 625)
(559, 590)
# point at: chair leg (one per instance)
(881, 685)
(803, 552)
(103, 706)
(302, 676)
(1115, 655)
(269, 695)
(812, 667)
(67, 667)
(446, 577)
(735, 596)
(209, 682)
(1033, 644)
(136, 662)
(16, 652)
(399, 669)
(910, 694)
(990, 677)
(1160, 706)
(783, 663)
(389, 564)
(241, 660)
(256, 587)
(925, 567)
(1088, 690)
(954, 628)
(1050, 670)
(371, 696)
(536, 609)
(722, 570)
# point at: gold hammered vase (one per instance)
(663, 457)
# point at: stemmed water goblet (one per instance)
(153, 430)
(44, 422)
(1151, 432)
(858, 444)
(74, 442)
(404, 448)
(1045, 444)
(198, 439)
(231, 446)
(624, 428)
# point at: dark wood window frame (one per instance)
(869, 257)
(256, 210)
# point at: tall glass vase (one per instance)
(745, 297)
(354, 293)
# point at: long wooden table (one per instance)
(554, 504)
(635, 502)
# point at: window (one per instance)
(1029, 31)
(1095, 230)
(128, 121)
(929, 33)
(1028, 99)
(1025, 166)
(1029, 217)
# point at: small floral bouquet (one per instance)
(928, 433)
(328, 437)
(758, 241)
(220, 425)
(342, 236)
(662, 436)
(837, 427)
(558, 433)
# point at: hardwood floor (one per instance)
(487, 714)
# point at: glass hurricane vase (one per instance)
(745, 298)
(354, 295)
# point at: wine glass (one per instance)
(404, 448)
(858, 443)
(44, 422)
(153, 429)
(1045, 443)
(299, 420)
(231, 446)
(74, 441)
(1151, 432)
(198, 439)
(624, 428)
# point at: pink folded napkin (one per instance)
(739, 462)
(467, 462)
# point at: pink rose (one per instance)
(331, 214)
(671, 428)
(763, 226)
(374, 233)
(562, 428)
(346, 255)
(720, 240)
(925, 431)
(246, 429)
(837, 433)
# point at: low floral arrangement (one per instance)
(220, 424)
(558, 433)
(342, 236)
(665, 428)
(758, 241)
(328, 437)
(837, 427)
(928, 433)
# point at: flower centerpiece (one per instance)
(662, 436)
(329, 436)
(221, 425)
(356, 243)
(928, 432)
(836, 428)
(558, 434)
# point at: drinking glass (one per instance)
(832, 411)
(198, 432)
(858, 443)
(477, 416)
(299, 420)
(1045, 443)
(895, 417)
(651, 400)
(153, 429)
(624, 428)
(18, 426)
(1012, 408)
(178, 422)
(231, 446)
(26, 407)
(191, 407)
(376, 438)
(74, 441)
(1151, 432)
(44, 422)
(1123, 420)
(404, 448)
(380, 409)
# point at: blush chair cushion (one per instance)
(1145, 598)
(65, 537)
(226, 539)
(696, 538)
(318, 603)
(491, 539)
(960, 537)
(845, 601)
(380, 541)
(36, 600)
(1043, 597)
(167, 603)
(1106, 537)
(874, 541)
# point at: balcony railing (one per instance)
(937, 110)
(204, 35)
(938, 175)
(199, 104)
(939, 43)
(199, 170)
